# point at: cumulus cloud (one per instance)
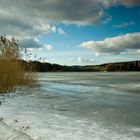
(46, 28)
(25, 21)
(114, 45)
(31, 12)
(25, 13)
(33, 44)
(33, 18)
(23, 17)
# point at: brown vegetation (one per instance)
(12, 72)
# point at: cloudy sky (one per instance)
(74, 32)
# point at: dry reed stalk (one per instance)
(12, 72)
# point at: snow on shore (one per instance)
(38, 113)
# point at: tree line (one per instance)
(48, 67)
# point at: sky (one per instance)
(74, 32)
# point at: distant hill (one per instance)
(48, 67)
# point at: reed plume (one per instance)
(12, 71)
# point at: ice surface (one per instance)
(74, 106)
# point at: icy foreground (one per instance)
(74, 106)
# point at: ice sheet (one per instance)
(70, 108)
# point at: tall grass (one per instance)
(12, 72)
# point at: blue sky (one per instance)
(77, 32)
(66, 49)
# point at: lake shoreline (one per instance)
(77, 106)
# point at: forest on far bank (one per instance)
(48, 67)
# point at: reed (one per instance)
(12, 72)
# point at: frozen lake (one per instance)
(74, 106)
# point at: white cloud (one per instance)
(138, 51)
(29, 14)
(48, 46)
(47, 28)
(42, 47)
(34, 45)
(114, 45)
(84, 60)
(34, 18)
(125, 24)
(31, 49)
(81, 60)
(60, 31)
